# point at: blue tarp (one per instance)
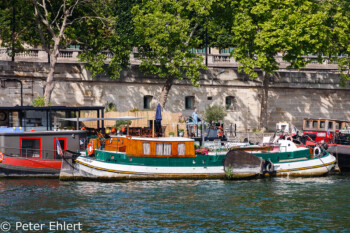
(11, 130)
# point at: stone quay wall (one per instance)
(293, 95)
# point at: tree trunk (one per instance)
(50, 84)
(165, 91)
(264, 98)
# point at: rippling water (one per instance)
(265, 205)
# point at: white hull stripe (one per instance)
(305, 168)
(147, 173)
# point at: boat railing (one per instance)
(30, 153)
(342, 141)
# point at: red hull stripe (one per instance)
(37, 163)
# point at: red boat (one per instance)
(33, 139)
(35, 153)
(334, 134)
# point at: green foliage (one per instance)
(134, 110)
(259, 30)
(24, 26)
(110, 107)
(171, 134)
(214, 113)
(166, 32)
(120, 124)
(182, 119)
(229, 172)
(39, 102)
(115, 34)
(181, 130)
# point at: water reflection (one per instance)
(276, 204)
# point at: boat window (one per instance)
(181, 149)
(63, 145)
(146, 148)
(159, 148)
(167, 148)
(322, 124)
(31, 147)
(337, 125)
(314, 124)
(330, 125)
(163, 149)
(307, 124)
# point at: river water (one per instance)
(266, 205)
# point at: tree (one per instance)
(16, 25)
(262, 29)
(214, 113)
(118, 39)
(57, 24)
(166, 32)
(339, 21)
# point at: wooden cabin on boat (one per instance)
(150, 147)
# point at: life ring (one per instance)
(269, 167)
(317, 151)
(90, 149)
(289, 138)
(2, 157)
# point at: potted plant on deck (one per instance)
(181, 132)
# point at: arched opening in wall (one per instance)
(189, 102)
(147, 99)
(230, 102)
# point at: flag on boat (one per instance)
(295, 130)
(59, 149)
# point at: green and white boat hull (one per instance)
(292, 161)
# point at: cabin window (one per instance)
(31, 147)
(322, 124)
(314, 124)
(167, 148)
(307, 124)
(189, 102)
(159, 148)
(147, 101)
(163, 149)
(146, 148)
(337, 125)
(181, 149)
(63, 144)
(330, 125)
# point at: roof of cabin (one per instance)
(160, 139)
(325, 119)
(52, 108)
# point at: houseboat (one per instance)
(125, 157)
(35, 153)
(323, 130)
(30, 136)
(291, 160)
(335, 133)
